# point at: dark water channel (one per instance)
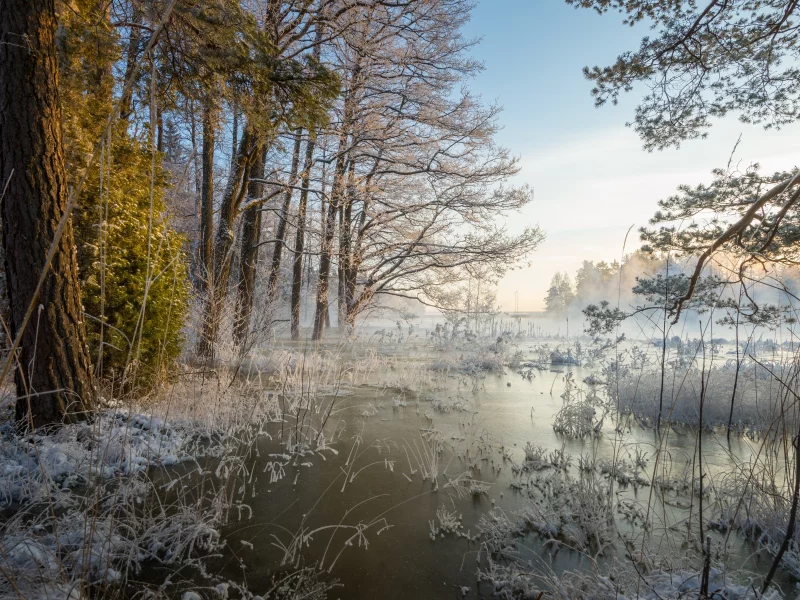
(362, 509)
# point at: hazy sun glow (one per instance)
(591, 178)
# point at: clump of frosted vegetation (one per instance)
(576, 419)
(478, 363)
(759, 399)
(515, 570)
(576, 511)
(563, 358)
(484, 361)
(449, 523)
(755, 501)
(623, 472)
(538, 458)
(535, 458)
(479, 360)
(478, 488)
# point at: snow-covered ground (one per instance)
(90, 504)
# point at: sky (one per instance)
(591, 178)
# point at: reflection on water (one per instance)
(364, 508)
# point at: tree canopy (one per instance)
(707, 60)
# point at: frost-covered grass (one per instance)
(479, 357)
(95, 505)
(577, 513)
(86, 512)
(577, 417)
(760, 401)
(90, 507)
(447, 405)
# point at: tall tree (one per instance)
(224, 243)
(280, 85)
(418, 186)
(283, 221)
(206, 233)
(300, 237)
(53, 377)
(329, 221)
(251, 234)
(560, 295)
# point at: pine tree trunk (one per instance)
(251, 233)
(223, 246)
(207, 198)
(54, 382)
(283, 219)
(299, 239)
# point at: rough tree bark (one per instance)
(54, 378)
(355, 255)
(251, 233)
(345, 229)
(205, 270)
(223, 245)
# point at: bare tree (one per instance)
(418, 183)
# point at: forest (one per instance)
(255, 340)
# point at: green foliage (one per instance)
(124, 258)
(224, 52)
(112, 219)
(664, 290)
(601, 319)
(706, 211)
(560, 295)
(88, 48)
(768, 316)
(592, 278)
(704, 61)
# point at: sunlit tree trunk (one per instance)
(54, 378)
(345, 258)
(321, 313)
(340, 306)
(354, 305)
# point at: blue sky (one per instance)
(591, 178)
